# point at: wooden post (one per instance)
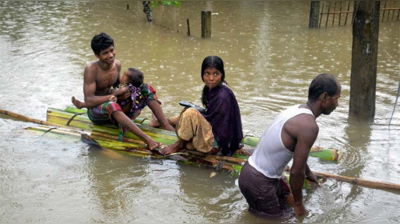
(314, 14)
(127, 6)
(364, 59)
(188, 26)
(205, 24)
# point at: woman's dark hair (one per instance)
(135, 77)
(211, 62)
(320, 84)
(101, 42)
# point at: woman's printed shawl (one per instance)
(224, 116)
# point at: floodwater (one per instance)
(270, 56)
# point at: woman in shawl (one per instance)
(219, 129)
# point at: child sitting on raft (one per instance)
(137, 95)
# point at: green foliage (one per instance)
(155, 4)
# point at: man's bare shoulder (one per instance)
(91, 66)
(91, 69)
(306, 121)
(302, 123)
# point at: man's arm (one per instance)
(306, 132)
(89, 89)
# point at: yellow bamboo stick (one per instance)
(358, 181)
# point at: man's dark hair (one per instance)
(135, 77)
(101, 42)
(320, 84)
(211, 62)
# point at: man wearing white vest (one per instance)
(289, 136)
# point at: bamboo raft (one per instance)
(74, 122)
(77, 118)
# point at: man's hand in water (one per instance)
(315, 178)
(300, 210)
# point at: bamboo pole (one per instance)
(27, 119)
(358, 181)
(80, 131)
(362, 182)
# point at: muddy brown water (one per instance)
(270, 56)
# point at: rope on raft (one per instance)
(69, 121)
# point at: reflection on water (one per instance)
(270, 57)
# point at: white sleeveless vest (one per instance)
(270, 156)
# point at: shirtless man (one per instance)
(100, 80)
(291, 135)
